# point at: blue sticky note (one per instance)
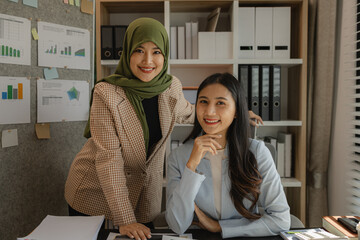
(14, 1)
(50, 73)
(31, 3)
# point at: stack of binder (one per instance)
(264, 32)
(112, 39)
(261, 84)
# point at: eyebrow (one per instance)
(141, 46)
(222, 98)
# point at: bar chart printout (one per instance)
(63, 46)
(14, 100)
(15, 40)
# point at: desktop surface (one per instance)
(196, 234)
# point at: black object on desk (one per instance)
(196, 234)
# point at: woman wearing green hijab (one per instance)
(119, 171)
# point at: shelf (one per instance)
(110, 63)
(285, 123)
(196, 63)
(290, 182)
(271, 61)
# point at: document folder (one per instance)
(281, 32)
(255, 89)
(263, 32)
(265, 92)
(244, 79)
(246, 32)
(275, 103)
(107, 51)
(119, 34)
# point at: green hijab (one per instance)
(140, 31)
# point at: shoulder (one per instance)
(182, 153)
(108, 91)
(261, 152)
(176, 86)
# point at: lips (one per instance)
(146, 69)
(211, 121)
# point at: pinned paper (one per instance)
(50, 73)
(77, 3)
(42, 130)
(9, 138)
(66, 1)
(71, 2)
(14, 1)
(87, 6)
(34, 34)
(31, 3)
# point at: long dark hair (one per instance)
(243, 169)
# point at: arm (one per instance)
(185, 110)
(276, 216)
(109, 162)
(184, 183)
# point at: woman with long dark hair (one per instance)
(221, 175)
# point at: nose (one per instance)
(210, 110)
(147, 58)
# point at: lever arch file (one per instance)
(263, 32)
(244, 79)
(275, 93)
(246, 32)
(265, 92)
(107, 51)
(281, 32)
(119, 34)
(254, 89)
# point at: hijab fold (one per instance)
(140, 31)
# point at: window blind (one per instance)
(354, 46)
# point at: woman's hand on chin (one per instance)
(203, 144)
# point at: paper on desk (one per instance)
(65, 227)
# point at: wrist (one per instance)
(191, 166)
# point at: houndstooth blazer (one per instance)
(111, 176)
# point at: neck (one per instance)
(222, 142)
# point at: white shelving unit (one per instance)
(191, 72)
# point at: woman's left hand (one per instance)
(206, 222)
(255, 119)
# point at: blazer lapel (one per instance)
(132, 128)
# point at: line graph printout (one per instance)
(63, 46)
(14, 100)
(15, 40)
(62, 100)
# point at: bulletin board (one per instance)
(33, 173)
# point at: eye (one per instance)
(220, 103)
(202, 101)
(157, 52)
(138, 50)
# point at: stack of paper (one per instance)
(64, 227)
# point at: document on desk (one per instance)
(65, 227)
(154, 236)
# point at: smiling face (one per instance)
(215, 109)
(146, 62)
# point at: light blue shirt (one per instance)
(185, 187)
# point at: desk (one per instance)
(196, 233)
